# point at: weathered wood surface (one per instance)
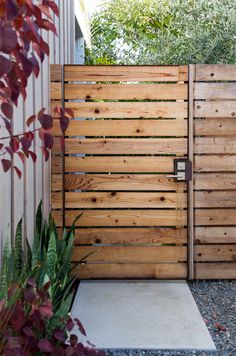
(215, 72)
(215, 199)
(215, 145)
(127, 218)
(131, 270)
(216, 252)
(215, 217)
(215, 235)
(120, 200)
(215, 127)
(126, 73)
(124, 128)
(216, 108)
(126, 92)
(216, 270)
(127, 110)
(215, 91)
(215, 181)
(215, 163)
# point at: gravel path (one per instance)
(217, 303)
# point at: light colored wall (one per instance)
(20, 198)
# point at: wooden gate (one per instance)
(131, 123)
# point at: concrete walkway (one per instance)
(148, 315)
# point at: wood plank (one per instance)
(215, 91)
(124, 128)
(55, 91)
(218, 270)
(215, 181)
(217, 108)
(126, 254)
(215, 217)
(149, 235)
(56, 72)
(126, 92)
(116, 164)
(125, 146)
(215, 72)
(215, 163)
(215, 145)
(215, 252)
(113, 73)
(124, 218)
(153, 182)
(119, 200)
(215, 127)
(215, 199)
(134, 270)
(131, 110)
(217, 235)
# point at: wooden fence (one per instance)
(131, 124)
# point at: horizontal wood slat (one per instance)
(215, 72)
(150, 235)
(120, 200)
(138, 182)
(124, 128)
(116, 164)
(215, 199)
(125, 146)
(126, 73)
(218, 270)
(215, 108)
(215, 235)
(130, 254)
(215, 127)
(215, 181)
(216, 252)
(215, 91)
(134, 218)
(129, 109)
(215, 163)
(126, 92)
(134, 270)
(56, 73)
(215, 217)
(215, 145)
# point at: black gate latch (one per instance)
(182, 170)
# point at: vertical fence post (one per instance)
(191, 76)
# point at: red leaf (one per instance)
(18, 172)
(47, 25)
(70, 112)
(59, 335)
(27, 65)
(9, 150)
(46, 121)
(70, 324)
(220, 327)
(8, 40)
(47, 140)
(45, 153)
(33, 156)
(22, 156)
(64, 123)
(1, 146)
(36, 68)
(29, 135)
(56, 110)
(30, 120)
(46, 310)
(12, 9)
(41, 112)
(80, 326)
(54, 7)
(45, 10)
(5, 65)
(45, 346)
(26, 144)
(7, 110)
(14, 144)
(6, 164)
(38, 50)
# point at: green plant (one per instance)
(47, 261)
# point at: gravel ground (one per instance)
(217, 303)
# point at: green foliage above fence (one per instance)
(164, 32)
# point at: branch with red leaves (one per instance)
(22, 48)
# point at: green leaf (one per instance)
(52, 256)
(39, 219)
(18, 250)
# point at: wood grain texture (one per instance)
(216, 108)
(217, 270)
(215, 127)
(109, 218)
(215, 199)
(134, 270)
(56, 72)
(215, 91)
(215, 145)
(215, 72)
(126, 73)
(119, 200)
(124, 128)
(126, 92)
(115, 182)
(149, 235)
(215, 181)
(55, 91)
(127, 146)
(116, 164)
(131, 110)
(215, 235)
(215, 253)
(215, 217)
(126, 254)
(215, 163)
